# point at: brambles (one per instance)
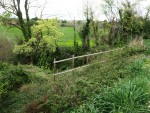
(6, 47)
(11, 78)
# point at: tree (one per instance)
(132, 24)
(109, 9)
(124, 24)
(14, 7)
(84, 34)
(74, 29)
(39, 48)
(147, 14)
(146, 27)
(85, 31)
(94, 30)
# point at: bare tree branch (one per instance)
(14, 7)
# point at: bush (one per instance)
(3, 66)
(11, 78)
(146, 29)
(137, 45)
(6, 47)
(38, 49)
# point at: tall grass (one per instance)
(130, 95)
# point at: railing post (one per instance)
(73, 64)
(54, 69)
(87, 59)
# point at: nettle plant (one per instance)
(43, 43)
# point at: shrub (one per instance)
(137, 45)
(39, 48)
(6, 47)
(11, 78)
(3, 66)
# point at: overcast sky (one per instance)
(68, 9)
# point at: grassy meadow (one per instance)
(11, 33)
(67, 39)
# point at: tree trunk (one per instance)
(28, 19)
(74, 27)
(22, 25)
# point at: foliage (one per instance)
(84, 35)
(65, 23)
(130, 24)
(90, 27)
(39, 48)
(69, 92)
(146, 42)
(108, 9)
(146, 29)
(137, 45)
(5, 18)
(129, 95)
(11, 78)
(6, 47)
(126, 97)
(14, 7)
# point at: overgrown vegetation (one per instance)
(11, 79)
(69, 92)
(39, 48)
(129, 96)
(115, 82)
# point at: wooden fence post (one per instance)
(87, 59)
(73, 64)
(54, 69)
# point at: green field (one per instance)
(12, 33)
(66, 40)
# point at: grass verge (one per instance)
(68, 92)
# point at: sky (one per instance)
(70, 9)
(67, 9)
